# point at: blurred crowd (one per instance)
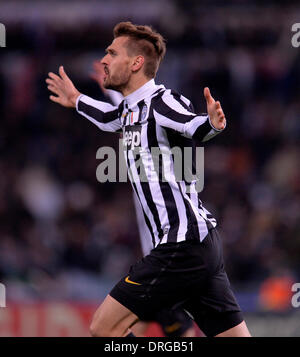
(65, 235)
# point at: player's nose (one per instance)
(104, 60)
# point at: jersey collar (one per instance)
(143, 92)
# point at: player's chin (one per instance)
(106, 84)
(110, 85)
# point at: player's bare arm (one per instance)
(65, 92)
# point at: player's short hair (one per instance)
(145, 41)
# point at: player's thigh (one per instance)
(112, 319)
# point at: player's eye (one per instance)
(112, 53)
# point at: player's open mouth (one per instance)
(106, 73)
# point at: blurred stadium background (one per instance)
(65, 239)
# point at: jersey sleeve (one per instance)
(174, 112)
(104, 115)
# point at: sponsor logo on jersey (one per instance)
(132, 137)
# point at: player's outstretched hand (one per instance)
(215, 111)
(63, 87)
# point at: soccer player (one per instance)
(185, 268)
(173, 322)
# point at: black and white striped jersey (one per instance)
(156, 117)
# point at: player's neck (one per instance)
(134, 85)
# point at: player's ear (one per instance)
(138, 63)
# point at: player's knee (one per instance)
(95, 331)
(99, 331)
(98, 328)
